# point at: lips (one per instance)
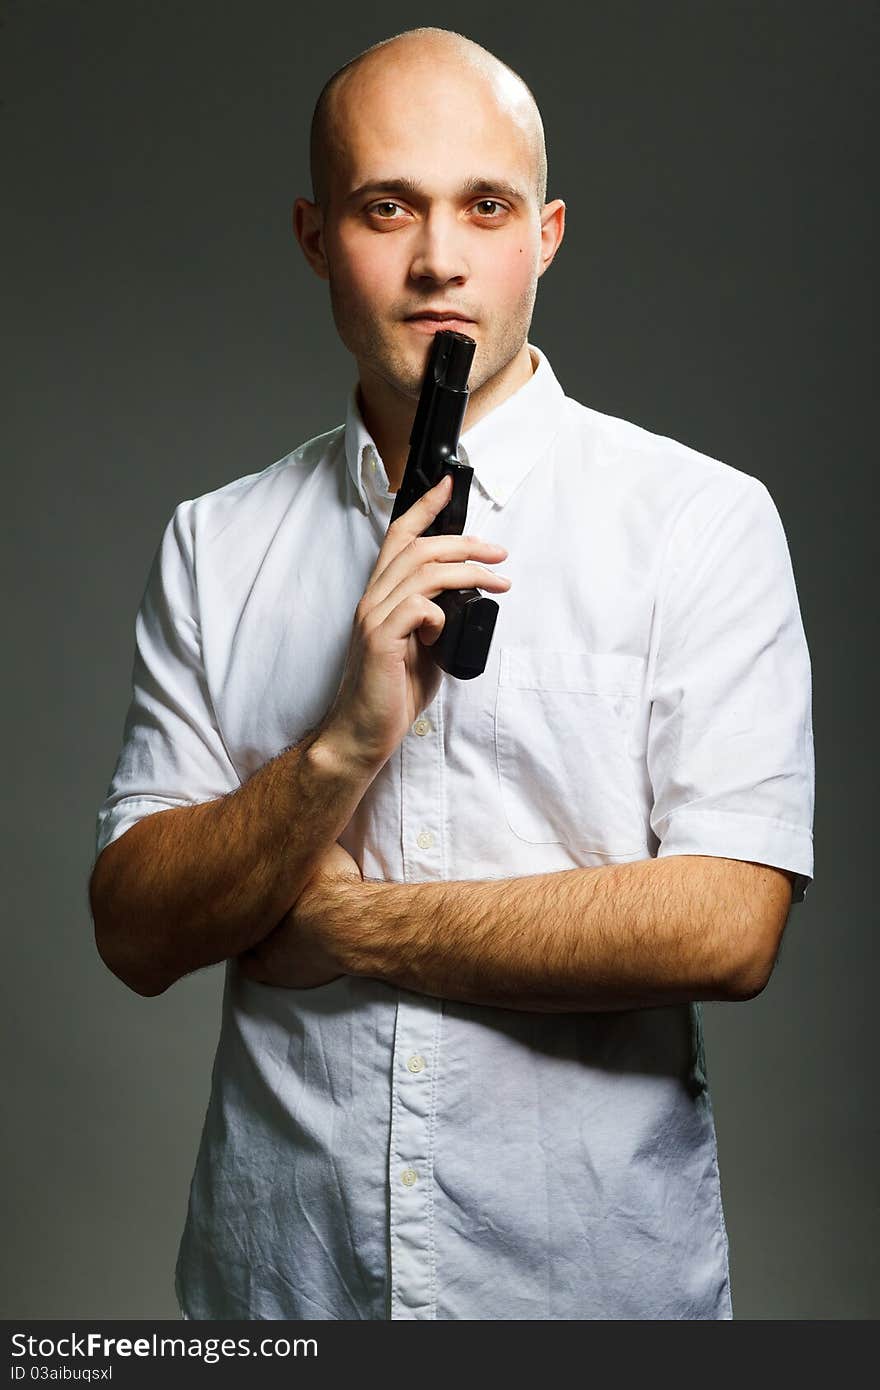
(438, 316)
(432, 323)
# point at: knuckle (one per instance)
(407, 551)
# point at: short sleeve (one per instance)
(730, 739)
(172, 751)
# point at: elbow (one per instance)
(129, 973)
(150, 990)
(746, 984)
(760, 936)
(109, 943)
(147, 988)
(750, 972)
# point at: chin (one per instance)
(406, 370)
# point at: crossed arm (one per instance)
(637, 935)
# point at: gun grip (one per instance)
(463, 646)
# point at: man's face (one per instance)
(462, 232)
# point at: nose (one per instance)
(439, 253)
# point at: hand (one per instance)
(389, 677)
(298, 953)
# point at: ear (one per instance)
(552, 231)
(308, 227)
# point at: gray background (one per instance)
(164, 336)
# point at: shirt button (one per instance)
(422, 726)
(425, 839)
(409, 1177)
(416, 1063)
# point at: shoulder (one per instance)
(282, 478)
(662, 472)
(254, 504)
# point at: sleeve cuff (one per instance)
(114, 820)
(733, 835)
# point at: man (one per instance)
(467, 924)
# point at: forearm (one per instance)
(187, 887)
(639, 935)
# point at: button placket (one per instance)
(411, 1157)
(421, 761)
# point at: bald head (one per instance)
(427, 49)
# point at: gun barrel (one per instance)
(439, 416)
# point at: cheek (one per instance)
(360, 269)
(509, 273)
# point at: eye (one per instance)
(375, 208)
(489, 203)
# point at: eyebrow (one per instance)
(409, 188)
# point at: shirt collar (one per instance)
(502, 447)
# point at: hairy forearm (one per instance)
(639, 935)
(187, 887)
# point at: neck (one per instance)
(389, 415)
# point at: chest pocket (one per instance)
(563, 720)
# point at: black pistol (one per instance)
(463, 645)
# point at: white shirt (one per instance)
(369, 1152)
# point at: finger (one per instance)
(421, 551)
(414, 521)
(415, 614)
(431, 580)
